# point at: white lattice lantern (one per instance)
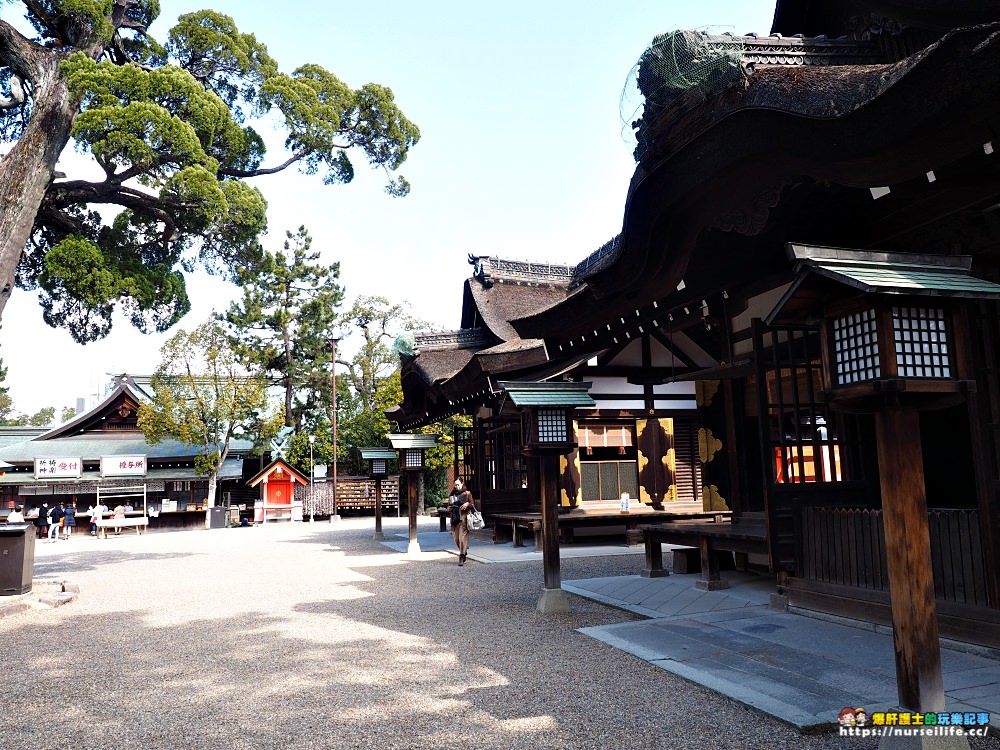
(378, 460)
(892, 323)
(411, 449)
(916, 344)
(547, 411)
(888, 344)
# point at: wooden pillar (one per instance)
(411, 511)
(553, 598)
(379, 536)
(534, 482)
(550, 521)
(986, 497)
(908, 548)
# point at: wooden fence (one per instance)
(846, 546)
(353, 493)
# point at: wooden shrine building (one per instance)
(278, 501)
(101, 453)
(827, 196)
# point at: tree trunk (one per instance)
(213, 481)
(28, 168)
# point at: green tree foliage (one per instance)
(67, 413)
(170, 128)
(368, 383)
(284, 320)
(43, 417)
(205, 397)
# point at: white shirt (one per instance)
(15, 517)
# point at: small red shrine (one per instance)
(277, 495)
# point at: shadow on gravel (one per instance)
(430, 656)
(67, 564)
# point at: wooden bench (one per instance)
(511, 526)
(443, 513)
(709, 539)
(139, 523)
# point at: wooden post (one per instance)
(333, 378)
(379, 536)
(908, 548)
(550, 521)
(411, 511)
(553, 598)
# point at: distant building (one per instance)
(102, 452)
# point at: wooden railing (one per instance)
(846, 546)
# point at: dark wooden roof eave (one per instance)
(716, 179)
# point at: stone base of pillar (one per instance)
(711, 585)
(379, 536)
(553, 601)
(413, 548)
(335, 519)
(661, 573)
(898, 741)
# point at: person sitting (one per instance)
(16, 516)
(119, 514)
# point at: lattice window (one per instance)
(607, 480)
(504, 467)
(921, 342)
(378, 466)
(465, 455)
(552, 426)
(796, 426)
(687, 472)
(414, 458)
(855, 347)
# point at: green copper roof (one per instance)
(896, 273)
(369, 454)
(232, 468)
(412, 440)
(556, 393)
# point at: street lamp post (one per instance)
(312, 481)
(333, 375)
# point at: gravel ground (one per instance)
(291, 636)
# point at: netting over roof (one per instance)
(679, 62)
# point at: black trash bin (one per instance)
(217, 517)
(17, 558)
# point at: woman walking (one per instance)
(460, 503)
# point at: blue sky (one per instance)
(522, 155)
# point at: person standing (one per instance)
(55, 521)
(96, 514)
(43, 520)
(460, 502)
(69, 520)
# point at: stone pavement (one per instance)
(483, 550)
(799, 669)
